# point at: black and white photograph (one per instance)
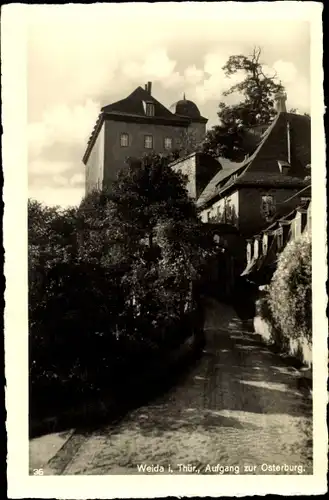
(163, 297)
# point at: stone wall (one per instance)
(198, 131)
(297, 348)
(199, 168)
(115, 154)
(187, 166)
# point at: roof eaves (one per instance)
(170, 120)
(93, 137)
(265, 137)
(202, 203)
(211, 189)
(183, 158)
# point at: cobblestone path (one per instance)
(239, 406)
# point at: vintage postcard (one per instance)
(165, 249)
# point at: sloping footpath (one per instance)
(59, 430)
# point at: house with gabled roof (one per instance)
(248, 194)
(264, 248)
(134, 126)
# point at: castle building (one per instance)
(134, 126)
(244, 204)
(251, 193)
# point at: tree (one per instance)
(146, 224)
(51, 233)
(186, 144)
(290, 292)
(256, 108)
(112, 282)
(147, 192)
(295, 110)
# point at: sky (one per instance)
(82, 57)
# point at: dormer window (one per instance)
(256, 248)
(268, 207)
(294, 228)
(279, 236)
(265, 244)
(297, 224)
(249, 250)
(149, 109)
(309, 217)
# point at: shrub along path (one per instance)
(239, 405)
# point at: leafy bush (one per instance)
(111, 283)
(290, 292)
(272, 334)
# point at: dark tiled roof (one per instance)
(261, 168)
(188, 109)
(132, 108)
(133, 105)
(264, 178)
(274, 145)
(227, 168)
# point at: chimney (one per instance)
(280, 102)
(149, 88)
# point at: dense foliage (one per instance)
(290, 292)
(256, 107)
(111, 282)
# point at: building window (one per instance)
(149, 109)
(168, 143)
(298, 224)
(208, 215)
(309, 218)
(148, 141)
(124, 140)
(268, 206)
